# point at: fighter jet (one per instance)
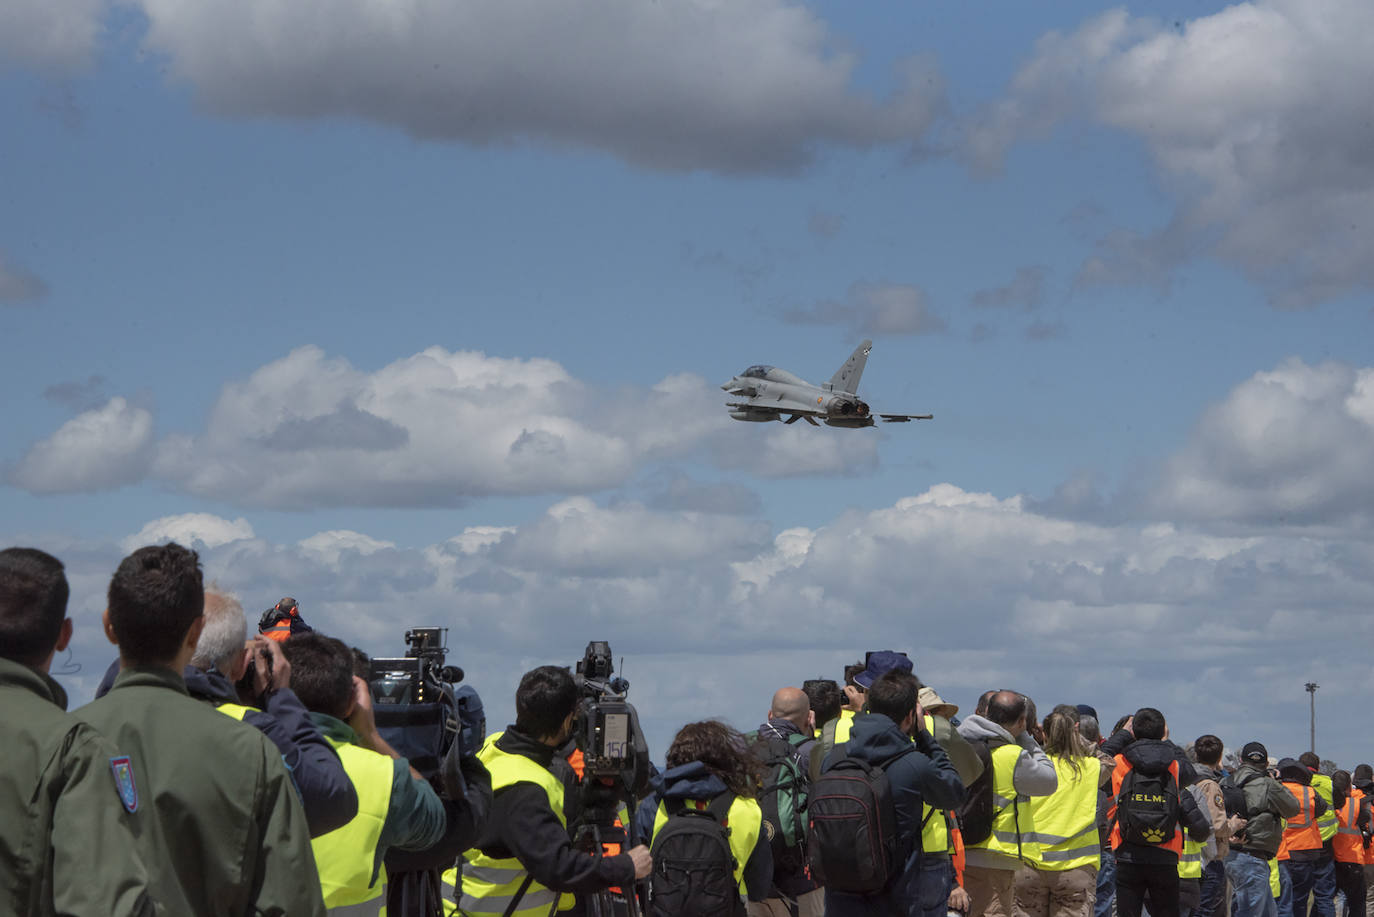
(769, 393)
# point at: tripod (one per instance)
(415, 894)
(598, 833)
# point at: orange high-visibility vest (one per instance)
(1301, 832)
(279, 631)
(1123, 767)
(1348, 844)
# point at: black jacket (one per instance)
(1150, 757)
(523, 826)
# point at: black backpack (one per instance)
(694, 870)
(852, 841)
(978, 810)
(1147, 808)
(783, 800)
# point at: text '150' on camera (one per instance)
(613, 746)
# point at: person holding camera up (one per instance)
(524, 862)
(396, 806)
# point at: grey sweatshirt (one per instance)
(1034, 776)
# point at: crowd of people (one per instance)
(218, 774)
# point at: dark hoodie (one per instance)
(326, 793)
(920, 773)
(1151, 757)
(693, 781)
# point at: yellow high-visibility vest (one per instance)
(1326, 824)
(491, 883)
(1066, 820)
(347, 856)
(1013, 825)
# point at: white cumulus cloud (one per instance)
(437, 428)
(99, 449)
(204, 529)
(1257, 117)
(744, 86)
(1291, 446)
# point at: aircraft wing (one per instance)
(903, 418)
(777, 409)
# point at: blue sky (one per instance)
(418, 311)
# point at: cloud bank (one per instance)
(1257, 118)
(712, 612)
(437, 428)
(745, 87)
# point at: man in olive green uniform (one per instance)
(223, 833)
(60, 809)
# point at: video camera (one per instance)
(608, 734)
(418, 708)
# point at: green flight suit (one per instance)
(66, 841)
(224, 834)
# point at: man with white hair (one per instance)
(221, 659)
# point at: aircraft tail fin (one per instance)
(846, 378)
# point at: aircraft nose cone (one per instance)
(728, 385)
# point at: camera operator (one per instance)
(525, 863)
(396, 806)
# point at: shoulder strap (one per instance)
(519, 893)
(719, 808)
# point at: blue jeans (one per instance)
(1324, 887)
(1213, 889)
(1304, 873)
(1106, 884)
(1286, 878)
(1249, 877)
(935, 883)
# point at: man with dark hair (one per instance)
(524, 861)
(227, 834)
(1147, 870)
(919, 774)
(1207, 790)
(66, 838)
(1020, 769)
(397, 808)
(222, 657)
(826, 701)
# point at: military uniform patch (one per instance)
(123, 770)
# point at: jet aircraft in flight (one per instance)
(768, 393)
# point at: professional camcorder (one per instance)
(608, 734)
(438, 725)
(418, 705)
(615, 771)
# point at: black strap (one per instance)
(520, 893)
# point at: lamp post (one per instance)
(1312, 687)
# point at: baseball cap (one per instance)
(879, 664)
(1085, 710)
(1256, 752)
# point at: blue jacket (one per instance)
(919, 773)
(327, 795)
